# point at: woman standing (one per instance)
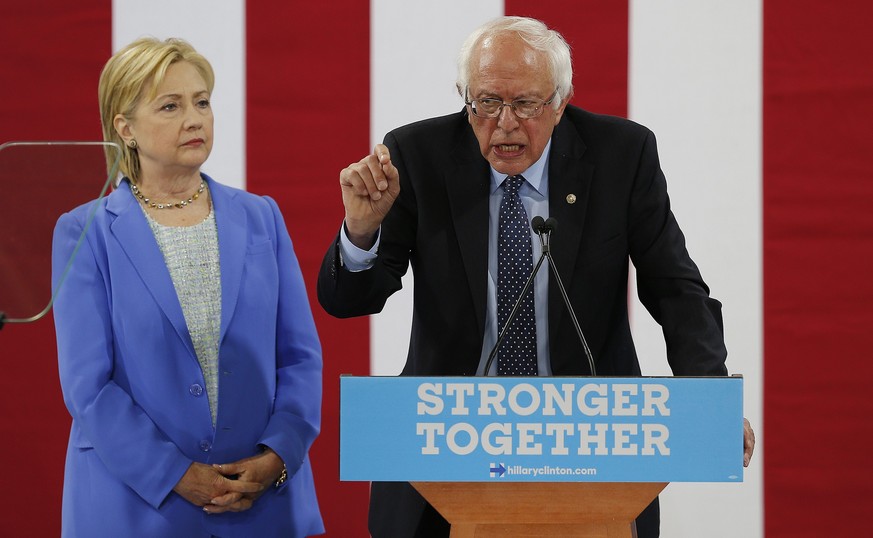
(188, 356)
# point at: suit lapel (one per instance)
(138, 242)
(232, 226)
(569, 186)
(467, 190)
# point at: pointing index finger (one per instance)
(383, 156)
(382, 153)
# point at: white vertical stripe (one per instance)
(695, 79)
(217, 32)
(413, 55)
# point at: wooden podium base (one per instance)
(540, 509)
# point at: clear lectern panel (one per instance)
(39, 181)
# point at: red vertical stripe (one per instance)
(818, 262)
(308, 101)
(53, 52)
(597, 32)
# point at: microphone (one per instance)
(551, 224)
(543, 228)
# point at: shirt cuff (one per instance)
(353, 258)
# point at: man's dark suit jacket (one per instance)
(609, 196)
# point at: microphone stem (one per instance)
(588, 355)
(545, 233)
(545, 239)
(512, 314)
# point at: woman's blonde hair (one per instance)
(124, 78)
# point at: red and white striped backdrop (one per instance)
(762, 110)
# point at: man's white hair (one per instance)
(538, 36)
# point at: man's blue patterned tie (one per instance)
(518, 351)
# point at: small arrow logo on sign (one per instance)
(497, 470)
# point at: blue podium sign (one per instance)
(541, 429)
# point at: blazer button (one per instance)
(195, 390)
(205, 445)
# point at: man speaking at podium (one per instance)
(454, 197)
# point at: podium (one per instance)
(540, 457)
(540, 509)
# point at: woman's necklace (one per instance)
(181, 204)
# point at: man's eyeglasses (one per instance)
(524, 109)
